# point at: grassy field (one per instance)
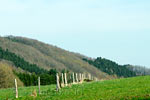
(137, 88)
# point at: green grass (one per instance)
(137, 88)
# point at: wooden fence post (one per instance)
(80, 77)
(77, 78)
(73, 78)
(62, 76)
(96, 79)
(39, 85)
(93, 78)
(16, 88)
(83, 77)
(89, 76)
(57, 82)
(66, 83)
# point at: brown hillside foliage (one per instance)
(7, 77)
(47, 56)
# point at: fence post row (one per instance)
(16, 88)
(64, 81)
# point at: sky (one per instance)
(118, 30)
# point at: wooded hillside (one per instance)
(7, 76)
(110, 67)
(47, 56)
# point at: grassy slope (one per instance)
(48, 56)
(137, 88)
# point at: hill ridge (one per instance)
(47, 56)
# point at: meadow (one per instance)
(136, 88)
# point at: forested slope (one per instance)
(47, 56)
(7, 76)
(111, 67)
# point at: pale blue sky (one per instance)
(115, 29)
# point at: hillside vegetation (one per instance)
(20, 62)
(137, 88)
(139, 70)
(7, 76)
(26, 72)
(111, 67)
(47, 56)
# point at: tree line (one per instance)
(110, 67)
(20, 62)
(139, 70)
(29, 78)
